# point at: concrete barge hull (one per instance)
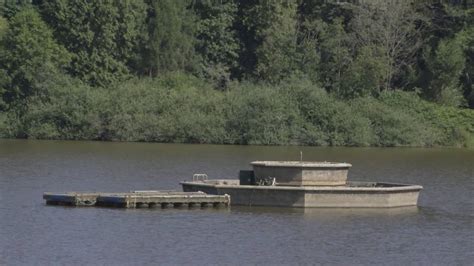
(353, 195)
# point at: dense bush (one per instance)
(447, 125)
(184, 109)
(173, 109)
(259, 114)
(70, 111)
(391, 126)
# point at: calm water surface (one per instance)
(438, 232)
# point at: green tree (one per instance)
(3, 74)
(8, 8)
(103, 36)
(3, 26)
(365, 75)
(336, 56)
(468, 73)
(277, 54)
(171, 34)
(217, 42)
(274, 47)
(308, 48)
(468, 45)
(255, 17)
(392, 27)
(30, 57)
(446, 67)
(325, 45)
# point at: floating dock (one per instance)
(138, 199)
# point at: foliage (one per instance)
(392, 27)
(276, 56)
(182, 108)
(365, 75)
(446, 66)
(170, 37)
(326, 120)
(259, 115)
(335, 55)
(353, 73)
(9, 8)
(3, 74)
(71, 112)
(217, 42)
(447, 125)
(102, 36)
(30, 59)
(467, 80)
(175, 108)
(3, 26)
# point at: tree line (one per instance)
(59, 52)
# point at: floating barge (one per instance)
(138, 199)
(305, 185)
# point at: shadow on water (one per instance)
(258, 210)
(329, 213)
(126, 211)
(438, 214)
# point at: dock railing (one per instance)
(199, 177)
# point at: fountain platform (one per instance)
(305, 185)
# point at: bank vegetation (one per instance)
(326, 73)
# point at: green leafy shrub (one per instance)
(71, 111)
(449, 125)
(259, 114)
(184, 109)
(174, 108)
(327, 120)
(390, 127)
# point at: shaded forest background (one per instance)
(307, 72)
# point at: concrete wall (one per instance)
(324, 177)
(284, 175)
(312, 197)
(265, 197)
(302, 176)
(364, 199)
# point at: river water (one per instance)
(440, 231)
